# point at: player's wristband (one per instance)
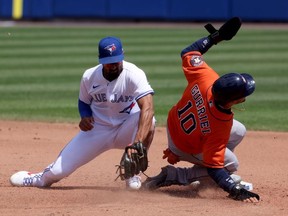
(222, 178)
(202, 45)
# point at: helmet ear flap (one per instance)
(250, 83)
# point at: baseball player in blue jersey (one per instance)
(116, 109)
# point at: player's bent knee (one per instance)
(241, 132)
(232, 167)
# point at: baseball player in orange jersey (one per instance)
(200, 127)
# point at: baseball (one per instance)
(136, 185)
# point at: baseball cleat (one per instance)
(134, 182)
(24, 179)
(195, 184)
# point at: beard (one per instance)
(112, 73)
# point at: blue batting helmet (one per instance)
(232, 86)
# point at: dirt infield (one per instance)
(91, 190)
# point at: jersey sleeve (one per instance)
(140, 85)
(195, 68)
(83, 92)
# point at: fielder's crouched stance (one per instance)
(200, 127)
(116, 108)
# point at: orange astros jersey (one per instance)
(194, 123)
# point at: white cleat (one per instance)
(195, 184)
(24, 179)
(134, 182)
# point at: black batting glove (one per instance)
(239, 193)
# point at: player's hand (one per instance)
(171, 157)
(130, 151)
(239, 193)
(251, 200)
(134, 160)
(86, 123)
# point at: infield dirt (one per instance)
(91, 190)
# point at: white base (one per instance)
(248, 186)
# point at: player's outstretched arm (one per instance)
(236, 192)
(226, 32)
(145, 130)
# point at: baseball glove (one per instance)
(226, 32)
(133, 163)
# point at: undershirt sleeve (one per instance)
(202, 45)
(84, 109)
